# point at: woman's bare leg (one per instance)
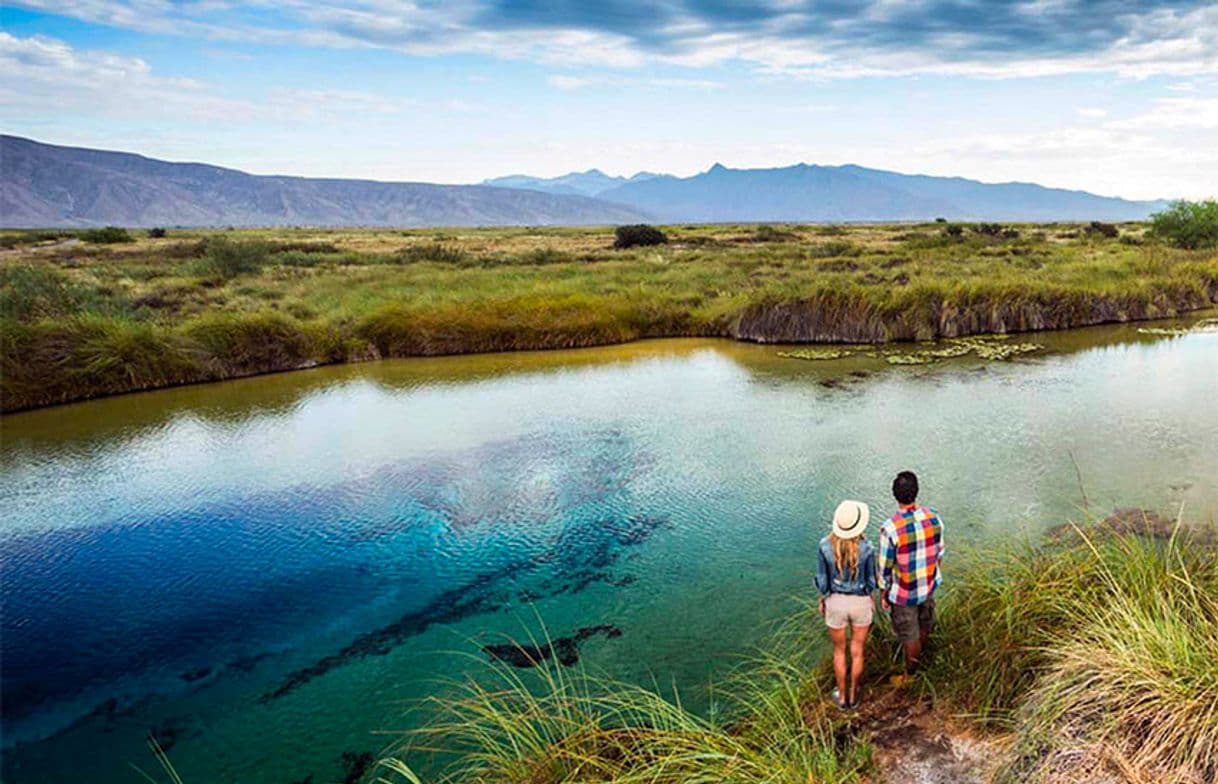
(838, 638)
(858, 641)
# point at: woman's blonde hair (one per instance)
(845, 555)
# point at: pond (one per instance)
(269, 573)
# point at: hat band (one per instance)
(858, 516)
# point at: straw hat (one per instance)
(850, 519)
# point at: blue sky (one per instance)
(1120, 98)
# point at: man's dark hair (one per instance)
(905, 487)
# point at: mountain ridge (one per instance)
(53, 186)
(44, 185)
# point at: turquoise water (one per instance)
(268, 573)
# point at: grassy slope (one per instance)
(82, 320)
(1095, 653)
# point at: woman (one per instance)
(845, 577)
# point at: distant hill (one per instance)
(853, 193)
(588, 183)
(47, 185)
(43, 185)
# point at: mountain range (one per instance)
(43, 185)
(806, 192)
(587, 183)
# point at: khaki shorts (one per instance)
(843, 608)
(909, 622)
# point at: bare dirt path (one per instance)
(916, 744)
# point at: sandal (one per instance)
(838, 701)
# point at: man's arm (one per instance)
(885, 559)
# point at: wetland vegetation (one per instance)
(106, 311)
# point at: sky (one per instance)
(1118, 97)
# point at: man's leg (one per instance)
(926, 622)
(905, 624)
(913, 652)
(838, 638)
(858, 642)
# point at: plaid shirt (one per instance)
(911, 545)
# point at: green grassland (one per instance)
(88, 314)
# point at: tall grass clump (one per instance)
(260, 342)
(227, 258)
(1192, 225)
(90, 355)
(1096, 646)
(36, 291)
(551, 726)
(434, 252)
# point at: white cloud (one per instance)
(48, 74)
(1094, 112)
(1175, 113)
(788, 40)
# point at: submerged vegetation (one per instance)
(1089, 657)
(81, 319)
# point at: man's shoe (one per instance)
(838, 701)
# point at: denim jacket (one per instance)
(829, 581)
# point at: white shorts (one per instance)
(843, 608)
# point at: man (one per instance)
(911, 546)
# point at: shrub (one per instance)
(989, 229)
(637, 235)
(1099, 228)
(107, 235)
(953, 230)
(156, 233)
(227, 258)
(1191, 225)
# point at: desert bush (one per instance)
(1101, 229)
(988, 229)
(107, 235)
(1192, 225)
(226, 258)
(637, 235)
(953, 230)
(156, 233)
